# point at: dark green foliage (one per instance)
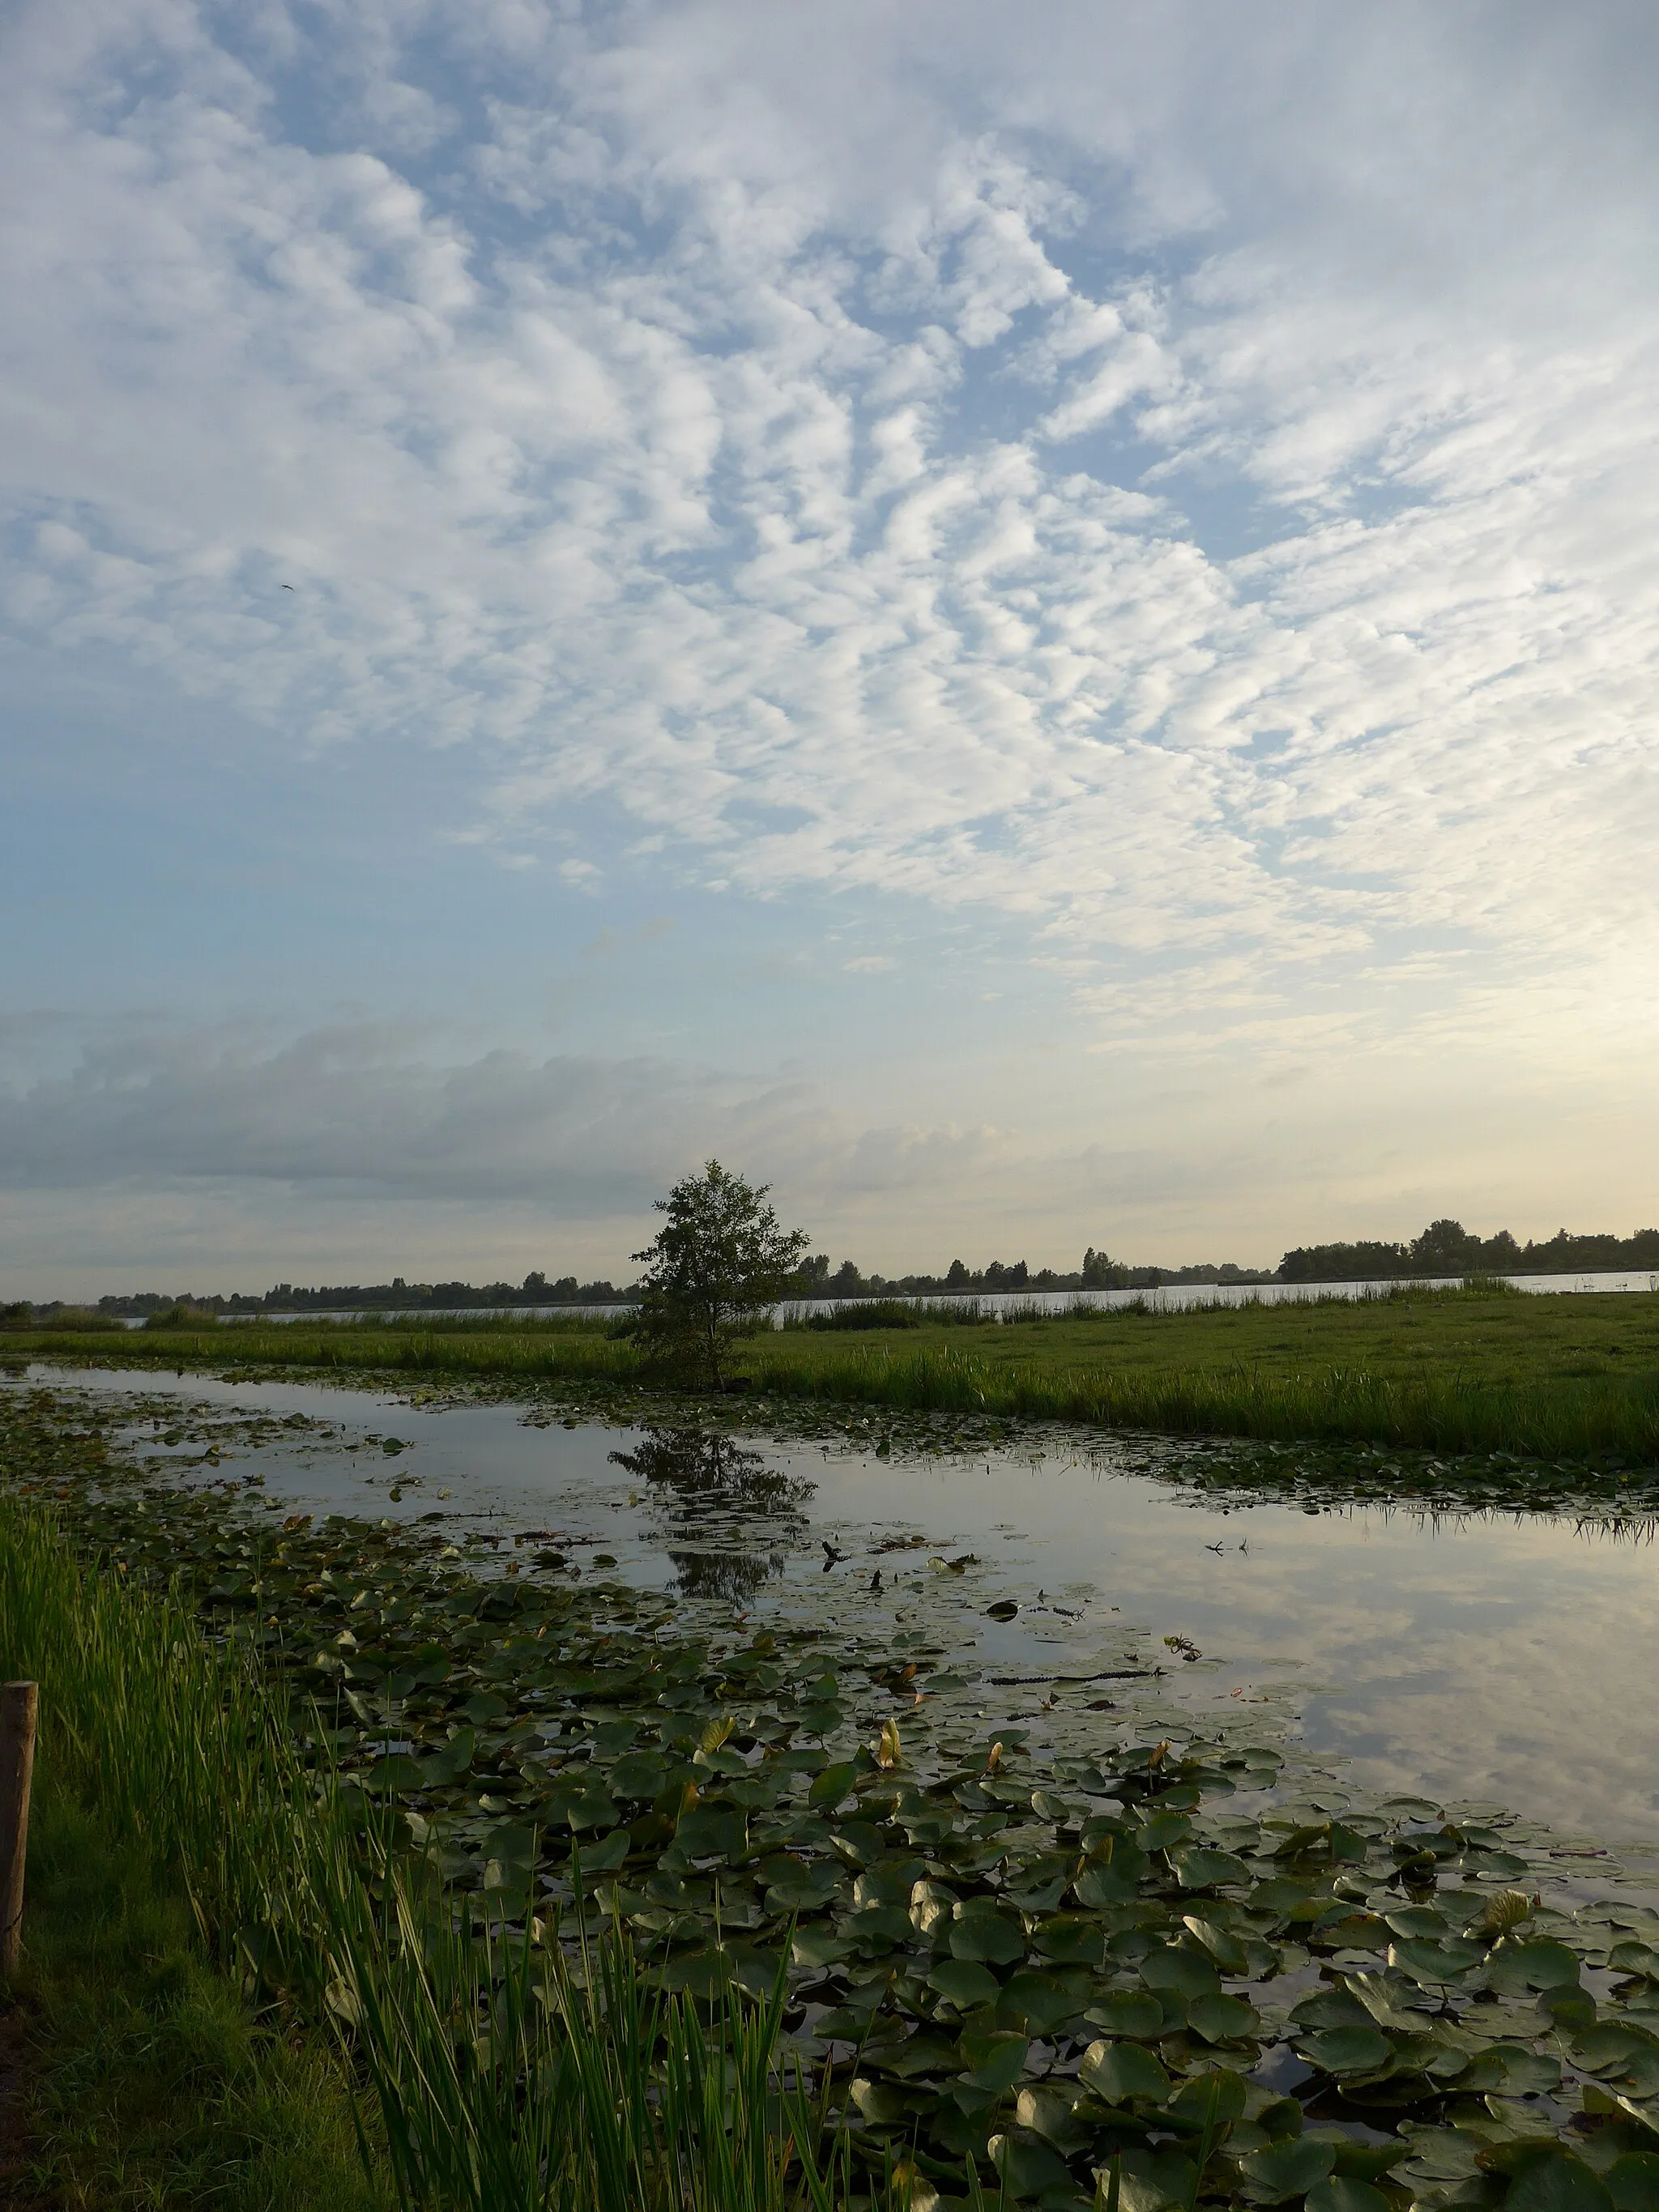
(1008, 1973)
(713, 1273)
(150, 2077)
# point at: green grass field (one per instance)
(1562, 1376)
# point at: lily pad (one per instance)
(1222, 2019)
(1129, 2013)
(1515, 1968)
(832, 1786)
(1026, 2166)
(1186, 1974)
(1633, 2182)
(1340, 2192)
(1123, 2074)
(1347, 2049)
(1287, 2169)
(979, 1932)
(964, 1982)
(1558, 2182)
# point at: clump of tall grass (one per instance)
(533, 1352)
(506, 2076)
(894, 1313)
(1554, 1420)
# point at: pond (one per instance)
(1480, 1659)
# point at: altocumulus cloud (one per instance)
(1180, 480)
(1172, 477)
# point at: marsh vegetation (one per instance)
(1455, 1370)
(598, 1908)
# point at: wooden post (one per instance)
(19, 1705)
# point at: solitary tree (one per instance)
(718, 1263)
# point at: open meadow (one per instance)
(1469, 1369)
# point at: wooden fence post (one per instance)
(19, 1706)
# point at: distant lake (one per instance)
(1168, 1297)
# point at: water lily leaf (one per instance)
(1162, 1831)
(640, 1774)
(858, 1842)
(879, 2102)
(1287, 2169)
(979, 1931)
(701, 1972)
(1114, 1882)
(1222, 2019)
(1215, 2098)
(395, 1773)
(1042, 2001)
(1050, 2111)
(1204, 1870)
(1347, 2049)
(964, 1982)
(1514, 1968)
(607, 1854)
(832, 1786)
(998, 2071)
(1435, 1963)
(1442, 2154)
(819, 1946)
(1123, 2073)
(1507, 2070)
(707, 1832)
(1420, 1923)
(1026, 2166)
(1130, 2013)
(1185, 1974)
(799, 1884)
(448, 1765)
(590, 1808)
(1071, 1939)
(1605, 2050)
(879, 1927)
(1558, 2182)
(1148, 2180)
(1341, 2192)
(1004, 1609)
(484, 1707)
(1229, 1953)
(1634, 2182)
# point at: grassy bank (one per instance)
(238, 1965)
(1561, 1377)
(144, 2076)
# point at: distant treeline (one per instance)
(1097, 1272)
(1445, 1248)
(396, 1296)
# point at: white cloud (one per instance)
(805, 438)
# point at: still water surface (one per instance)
(1507, 1660)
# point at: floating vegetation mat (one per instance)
(1111, 1944)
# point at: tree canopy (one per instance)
(719, 1262)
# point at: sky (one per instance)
(1036, 625)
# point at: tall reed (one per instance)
(1455, 1413)
(507, 2075)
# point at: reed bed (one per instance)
(1449, 1370)
(501, 2073)
(1554, 1420)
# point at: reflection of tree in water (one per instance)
(713, 1489)
(734, 1575)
